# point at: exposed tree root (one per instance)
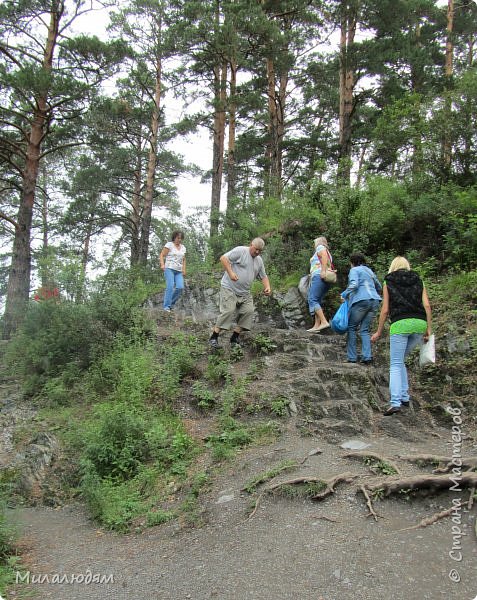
(432, 482)
(386, 487)
(328, 486)
(435, 517)
(311, 453)
(381, 459)
(372, 512)
(469, 462)
(268, 475)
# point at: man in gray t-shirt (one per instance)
(242, 266)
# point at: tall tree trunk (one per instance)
(362, 155)
(151, 165)
(18, 288)
(282, 97)
(468, 134)
(273, 162)
(45, 273)
(220, 82)
(84, 265)
(112, 261)
(416, 83)
(447, 141)
(276, 129)
(231, 171)
(80, 292)
(346, 89)
(136, 206)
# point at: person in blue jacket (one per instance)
(363, 297)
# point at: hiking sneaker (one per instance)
(214, 343)
(392, 410)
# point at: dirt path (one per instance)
(291, 548)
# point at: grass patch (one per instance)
(9, 561)
(263, 344)
(279, 406)
(218, 369)
(266, 432)
(232, 436)
(203, 396)
(301, 490)
(380, 465)
(252, 484)
(177, 358)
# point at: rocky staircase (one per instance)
(327, 394)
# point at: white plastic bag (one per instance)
(427, 355)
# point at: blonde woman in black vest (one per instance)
(406, 303)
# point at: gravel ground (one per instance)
(290, 548)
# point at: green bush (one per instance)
(53, 338)
(262, 344)
(459, 220)
(126, 372)
(158, 517)
(120, 295)
(460, 288)
(169, 446)
(218, 370)
(177, 358)
(62, 339)
(129, 454)
(204, 397)
(233, 435)
(6, 538)
(8, 558)
(115, 443)
(279, 406)
(233, 396)
(113, 504)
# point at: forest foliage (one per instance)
(352, 119)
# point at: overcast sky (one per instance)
(196, 148)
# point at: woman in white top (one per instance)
(173, 263)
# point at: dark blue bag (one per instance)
(339, 323)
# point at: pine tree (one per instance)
(48, 78)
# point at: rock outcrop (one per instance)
(201, 304)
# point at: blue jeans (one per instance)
(400, 346)
(360, 316)
(174, 287)
(316, 293)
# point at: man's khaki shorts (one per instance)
(234, 309)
